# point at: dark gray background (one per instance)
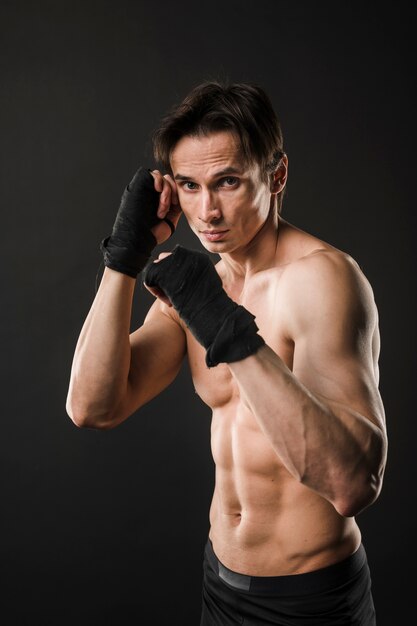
(98, 527)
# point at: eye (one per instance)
(189, 186)
(229, 181)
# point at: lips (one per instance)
(214, 235)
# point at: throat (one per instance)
(260, 254)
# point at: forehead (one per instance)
(207, 153)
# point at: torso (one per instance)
(263, 521)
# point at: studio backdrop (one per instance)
(92, 519)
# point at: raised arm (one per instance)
(113, 372)
(325, 418)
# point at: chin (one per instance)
(219, 247)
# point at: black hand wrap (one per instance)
(130, 245)
(227, 330)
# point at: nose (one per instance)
(209, 210)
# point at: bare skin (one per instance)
(298, 429)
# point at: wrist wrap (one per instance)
(131, 242)
(188, 278)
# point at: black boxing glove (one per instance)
(188, 278)
(131, 242)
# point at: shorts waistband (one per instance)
(294, 584)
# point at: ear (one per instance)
(279, 177)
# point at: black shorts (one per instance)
(337, 595)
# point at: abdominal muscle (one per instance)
(263, 522)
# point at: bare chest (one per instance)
(265, 299)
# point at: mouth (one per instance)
(213, 235)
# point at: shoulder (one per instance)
(314, 265)
(322, 283)
(328, 288)
(325, 267)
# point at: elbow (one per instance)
(84, 417)
(352, 507)
(365, 485)
(351, 503)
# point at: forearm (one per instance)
(327, 447)
(100, 369)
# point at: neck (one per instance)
(258, 254)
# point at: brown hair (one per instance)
(241, 108)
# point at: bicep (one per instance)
(157, 351)
(336, 341)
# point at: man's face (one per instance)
(224, 200)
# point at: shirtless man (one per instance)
(298, 427)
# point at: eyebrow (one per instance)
(224, 172)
